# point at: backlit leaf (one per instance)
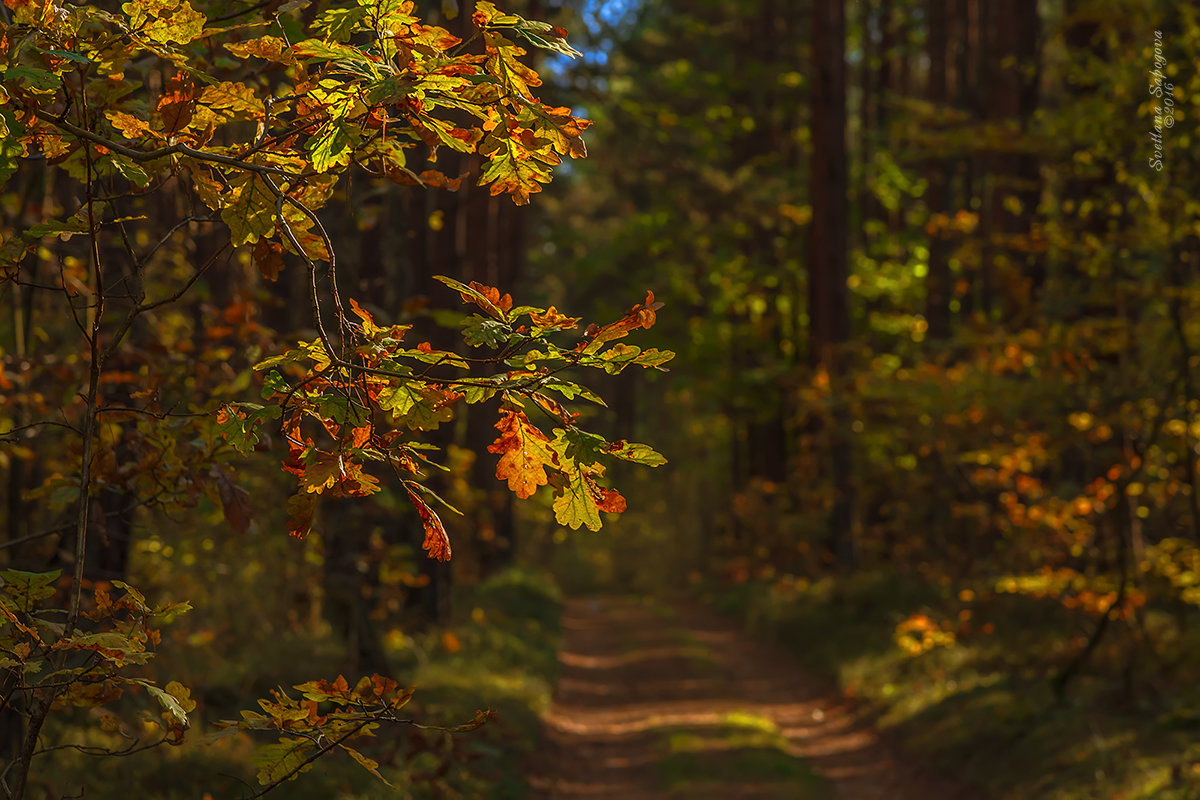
(177, 103)
(482, 332)
(576, 505)
(248, 209)
(637, 453)
(436, 543)
(11, 147)
(552, 320)
(486, 297)
(165, 21)
(524, 454)
(640, 316)
(337, 24)
(235, 101)
(334, 143)
(270, 48)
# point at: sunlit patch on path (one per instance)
(658, 702)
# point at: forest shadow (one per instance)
(982, 706)
(638, 714)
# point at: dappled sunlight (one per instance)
(626, 659)
(653, 704)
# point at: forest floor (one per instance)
(673, 701)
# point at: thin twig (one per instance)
(92, 750)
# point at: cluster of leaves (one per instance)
(373, 407)
(48, 662)
(51, 662)
(327, 716)
(243, 129)
(368, 83)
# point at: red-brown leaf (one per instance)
(177, 103)
(436, 543)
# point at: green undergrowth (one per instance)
(506, 660)
(500, 653)
(978, 704)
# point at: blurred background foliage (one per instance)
(974, 502)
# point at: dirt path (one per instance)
(674, 702)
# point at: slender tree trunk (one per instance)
(1015, 184)
(937, 173)
(828, 307)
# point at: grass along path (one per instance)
(672, 702)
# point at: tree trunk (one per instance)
(937, 173)
(1013, 75)
(828, 307)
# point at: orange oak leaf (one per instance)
(436, 543)
(556, 408)
(609, 500)
(553, 319)
(640, 316)
(504, 303)
(368, 322)
(130, 127)
(524, 453)
(270, 48)
(360, 436)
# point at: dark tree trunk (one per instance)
(937, 174)
(828, 306)
(351, 579)
(1013, 74)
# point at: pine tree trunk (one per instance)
(829, 311)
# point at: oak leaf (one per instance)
(436, 543)
(248, 209)
(524, 454)
(128, 125)
(164, 21)
(177, 104)
(268, 257)
(487, 298)
(512, 168)
(300, 508)
(553, 319)
(635, 452)
(269, 48)
(609, 500)
(640, 316)
(575, 504)
(580, 499)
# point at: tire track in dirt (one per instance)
(671, 702)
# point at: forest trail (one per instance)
(658, 701)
